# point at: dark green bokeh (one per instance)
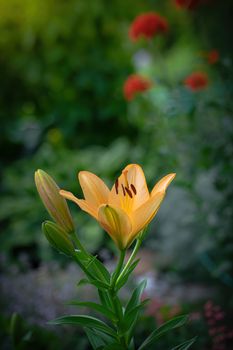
(63, 65)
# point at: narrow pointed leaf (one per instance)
(174, 323)
(83, 282)
(94, 339)
(102, 270)
(107, 339)
(85, 321)
(113, 347)
(185, 345)
(135, 298)
(97, 307)
(99, 284)
(104, 298)
(130, 316)
(131, 319)
(93, 265)
(132, 304)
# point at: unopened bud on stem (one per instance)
(58, 238)
(54, 203)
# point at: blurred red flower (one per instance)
(147, 25)
(190, 4)
(134, 84)
(213, 56)
(196, 81)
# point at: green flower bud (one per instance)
(57, 237)
(54, 203)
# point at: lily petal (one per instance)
(94, 189)
(116, 222)
(87, 207)
(133, 177)
(144, 214)
(162, 184)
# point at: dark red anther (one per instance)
(129, 192)
(133, 189)
(116, 185)
(123, 189)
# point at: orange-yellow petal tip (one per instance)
(162, 185)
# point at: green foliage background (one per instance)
(62, 67)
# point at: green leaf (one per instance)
(119, 309)
(105, 337)
(85, 321)
(94, 339)
(126, 275)
(112, 347)
(130, 316)
(101, 270)
(58, 238)
(135, 298)
(185, 345)
(174, 323)
(133, 304)
(27, 337)
(97, 307)
(19, 332)
(16, 328)
(83, 282)
(99, 284)
(94, 266)
(104, 298)
(131, 319)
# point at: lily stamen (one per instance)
(133, 189)
(116, 185)
(123, 189)
(129, 192)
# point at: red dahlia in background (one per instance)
(134, 84)
(190, 4)
(196, 81)
(147, 25)
(213, 56)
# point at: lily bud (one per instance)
(57, 237)
(54, 203)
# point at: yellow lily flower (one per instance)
(124, 210)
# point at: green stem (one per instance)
(135, 250)
(117, 307)
(118, 269)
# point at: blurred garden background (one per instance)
(81, 90)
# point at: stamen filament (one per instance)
(126, 180)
